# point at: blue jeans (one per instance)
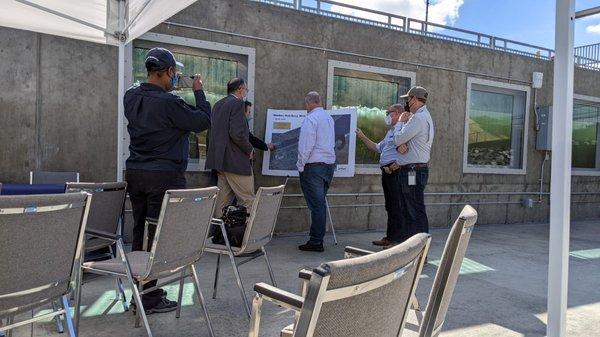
(413, 201)
(315, 181)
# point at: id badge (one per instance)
(412, 178)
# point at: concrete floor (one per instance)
(501, 292)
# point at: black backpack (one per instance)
(234, 218)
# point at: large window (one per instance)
(371, 90)
(586, 115)
(217, 62)
(496, 127)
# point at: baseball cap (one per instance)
(418, 92)
(160, 58)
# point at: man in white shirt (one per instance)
(414, 142)
(316, 164)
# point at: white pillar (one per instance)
(120, 110)
(560, 188)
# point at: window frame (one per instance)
(586, 171)
(333, 64)
(209, 46)
(502, 86)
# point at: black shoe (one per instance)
(311, 247)
(163, 305)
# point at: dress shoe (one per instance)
(311, 247)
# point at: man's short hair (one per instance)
(399, 108)
(313, 97)
(247, 104)
(234, 84)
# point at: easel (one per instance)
(328, 213)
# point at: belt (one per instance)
(414, 166)
(317, 164)
(388, 165)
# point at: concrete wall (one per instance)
(284, 73)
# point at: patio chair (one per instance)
(364, 296)
(181, 232)
(258, 233)
(105, 217)
(50, 177)
(447, 274)
(431, 322)
(42, 240)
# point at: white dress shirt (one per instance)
(317, 139)
(418, 134)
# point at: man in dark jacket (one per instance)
(159, 127)
(229, 149)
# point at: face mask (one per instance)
(174, 81)
(407, 107)
(388, 120)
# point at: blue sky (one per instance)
(529, 21)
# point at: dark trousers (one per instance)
(146, 192)
(315, 181)
(396, 227)
(413, 200)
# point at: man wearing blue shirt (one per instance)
(316, 165)
(389, 161)
(159, 124)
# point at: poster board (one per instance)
(283, 130)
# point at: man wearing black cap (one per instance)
(159, 127)
(414, 142)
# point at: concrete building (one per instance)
(58, 106)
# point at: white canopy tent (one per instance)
(112, 22)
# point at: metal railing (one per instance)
(586, 56)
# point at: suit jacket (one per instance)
(258, 143)
(229, 146)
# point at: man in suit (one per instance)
(229, 150)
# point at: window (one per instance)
(371, 90)
(215, 72)
(586, 114)
(217, 62)
(496, 127)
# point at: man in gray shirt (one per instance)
(414, 141)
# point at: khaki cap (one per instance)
(418, 92)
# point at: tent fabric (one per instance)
(102, 16)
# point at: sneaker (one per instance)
(311, 247)
(163, 305)
(383, 242)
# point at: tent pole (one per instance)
(121, 110)
(560, 185)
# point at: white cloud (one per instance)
(593, 29)
(444, 12)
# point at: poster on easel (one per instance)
(283, 130)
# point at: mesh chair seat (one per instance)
(138, 260)
(92, 244)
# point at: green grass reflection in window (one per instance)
(585, 134)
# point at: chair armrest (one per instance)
(280, 297)
(305, 274)
(350, 252)
(102, 234)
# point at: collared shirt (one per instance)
(387, 148)
(159, 124)
(418, 134)
(317, 139)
